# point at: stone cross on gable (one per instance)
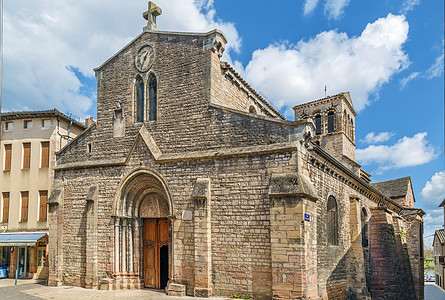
(150, 16)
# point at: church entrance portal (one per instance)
(143, 222)
(155, 252)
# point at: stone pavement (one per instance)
(433, 292)
(27, 289)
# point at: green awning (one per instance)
(20, 238)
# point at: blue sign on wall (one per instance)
(307, 217)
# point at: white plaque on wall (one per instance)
(187, 215)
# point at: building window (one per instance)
(140, 99)
(8, 155)
(27, 124)
(332, 221)
(46, 123)
(24, 206)
(152, 97)
(318, 124)
(5, 213)
(26, 155)
(364, 217)
(9, 126)
(44, 162)
(331, 122)
(89, 148)
(43, 195)
(252, 109)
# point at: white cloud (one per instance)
(409, 5)
(434, 189)
(44, 40)
(372, 138)
(309, 6)
(406, 152)
(433, 194)
(436, 68)
(289, 74)
(334, 8)
(406, 80)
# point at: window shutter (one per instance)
(26, 155)
(24, 215)
(8, 152)
(5, 207)
(42, 212)
(45, 155)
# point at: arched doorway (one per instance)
(143, 229)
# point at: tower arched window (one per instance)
(318, 124)
(364, 217)
(140, 99)
(331, 121)
(332, 221)
(152, 98)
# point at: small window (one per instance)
(332, 221)
(24, 206)
(46, 123)
(252, 109)
(44, 161)
(43, 195)
(318, 124)
(26, 155)
(331, 122)
(8, 154)
(152, 98)
(89, 148)
(9, 126)
(364, 219)
(27, 124)
(5, 213)
(140, 99)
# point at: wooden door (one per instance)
(41, 262)
(155, 235)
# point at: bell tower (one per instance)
(334, 118)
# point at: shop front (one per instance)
(24, 253)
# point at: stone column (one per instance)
(293, 223)
(388, 257)
(55, 239)
(91, 276)
(356, 266)
(116, 245)
(203, 239)
(130, 246)
(124, 245)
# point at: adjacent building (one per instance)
(29, 142)
(192, 182)
(439, 253)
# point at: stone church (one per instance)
(190, 181)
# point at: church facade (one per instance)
(191, 182)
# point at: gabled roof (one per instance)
(14, 115)
(440, 234)
(442, 204)
(393, 188)
(226, 65)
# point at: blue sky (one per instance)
(388, 53)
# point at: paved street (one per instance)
(34, 290)
(432, 292)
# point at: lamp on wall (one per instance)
(12, 249)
